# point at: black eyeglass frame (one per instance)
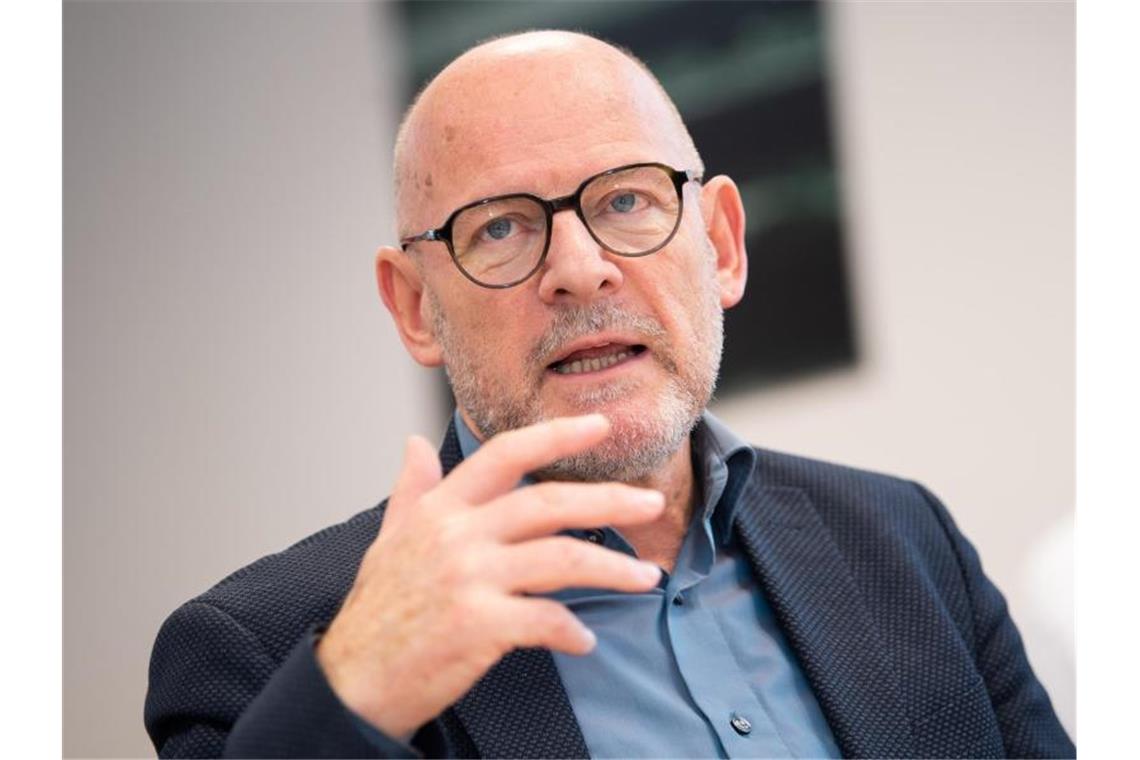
(552, 207)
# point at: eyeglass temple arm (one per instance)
(427, 235)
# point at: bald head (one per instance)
(517, 98)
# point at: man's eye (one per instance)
(498, 229)
(623, 203)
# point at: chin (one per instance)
(645, 434)
(619, 401)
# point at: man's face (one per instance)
(638, 339)
(665, 366)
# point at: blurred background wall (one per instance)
(233, 383)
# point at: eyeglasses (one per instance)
(498, 242)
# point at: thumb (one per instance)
(421, 471)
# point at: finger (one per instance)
(550, 564)
(501, 462)
(419, 474)
(543, 623)
(546, 508)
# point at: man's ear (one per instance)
(723, 212)
(402, 290)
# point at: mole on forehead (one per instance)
(422, 183)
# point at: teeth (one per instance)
(591, 365)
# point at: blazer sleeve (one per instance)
(215, 692)
(1028, 723)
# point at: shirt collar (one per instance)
(468, 443)
(723, 462)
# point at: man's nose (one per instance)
(577, 268)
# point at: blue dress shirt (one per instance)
(698, 666)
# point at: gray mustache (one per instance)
(572, 323)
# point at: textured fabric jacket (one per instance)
(907, 645)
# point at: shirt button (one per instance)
(679, 599)
(742, 725)
(595, 537)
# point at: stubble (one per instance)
(642, 439)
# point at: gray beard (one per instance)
(638, 444)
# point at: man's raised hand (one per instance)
(441, 595)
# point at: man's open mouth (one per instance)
(596, 358)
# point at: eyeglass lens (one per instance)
(630, 212)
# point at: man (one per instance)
(593, 565)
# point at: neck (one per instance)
(660, 540)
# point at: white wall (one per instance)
(233, 384)
(957, 141)
(232, 379)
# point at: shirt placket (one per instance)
(706, 662)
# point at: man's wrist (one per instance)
(332, 669)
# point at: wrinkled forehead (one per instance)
(528, 122)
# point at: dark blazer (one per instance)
(907, 645)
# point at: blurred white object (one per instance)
(1047, 581)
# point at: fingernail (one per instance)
(593, 420)
(590, 637)
(649, 571)
(650, 498)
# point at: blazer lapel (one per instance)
(820, 610)
(519, 708)
(450, 452)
